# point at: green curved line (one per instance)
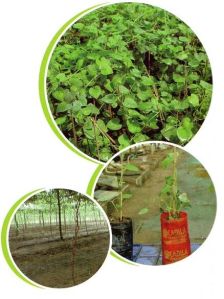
(4, 238)
(44, 100)
(90, 186)
(120, 258)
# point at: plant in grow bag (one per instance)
(122, 231)
(174, 224)
(122, 228)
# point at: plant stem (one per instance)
(121, 187)
(97, 145)
(174, 180)
(73, 130)
(113, 142)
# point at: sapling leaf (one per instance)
(131, 167)
(143, 211)
(127, 195)
(183, 198)
(168, 160)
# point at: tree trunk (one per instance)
(59, 214)
(17, 225)
(64, 212)
(50, 215)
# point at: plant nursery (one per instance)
(160, 201)
(127, 73)
(59, 238)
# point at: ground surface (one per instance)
(152, 255)
(48, 260)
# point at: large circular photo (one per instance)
(126, 73)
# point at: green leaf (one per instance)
(76, 106)
(114, 124)
(105, 154)
(79, 26)
(143, 211)
(124, 140)
(109, 99)
(101, 125)
(131, 167)
(62, 107)
(145, 106)
(76, 83)
(184, 132)
(139, 137)
(134, 126)
(206, 85)
(169, 132)
(90, 109)
(104, 66)
(167, 61)
(129, 102)
(79, 63)
(178, 78)
(108, 86)
(123, 90)
(61, 77)
(145, 94)
(193, 100)
(59, 94)
(95, 91)
(182, 56)
(168, 160)
(127, 195)
(61, 120)
(183, 198)
(147, 81)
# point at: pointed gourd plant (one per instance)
(127, 73)
(171, 199)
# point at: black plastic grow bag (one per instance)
(122, 237)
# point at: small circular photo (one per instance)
(122, 74)
(160, 201)
(59, 238)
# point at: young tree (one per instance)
(59, 213)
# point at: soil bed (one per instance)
(48, 260)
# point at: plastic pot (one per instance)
(122, 237)
(175, 238)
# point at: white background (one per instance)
(33, 157)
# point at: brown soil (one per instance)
(48, 260)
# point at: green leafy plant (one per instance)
(124, 167)
(171, 199)
(127, 73)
